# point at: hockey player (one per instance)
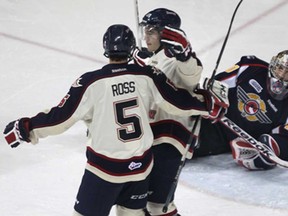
(115, 102)
(258, 96)
(171, 52)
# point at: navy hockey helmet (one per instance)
(160, 17)
(118, 41)
(278, 76)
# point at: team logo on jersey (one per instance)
(133, 165)
(156, 71)
(252, 107)
(77, 84)
(258, 88)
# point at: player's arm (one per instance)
(188, 66)
(55, 121)
(179, 101)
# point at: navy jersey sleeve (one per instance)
(61, 117)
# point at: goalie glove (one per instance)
(176, 44)
(247, 156)
(216, 97)
(141, 57)
(17, 132)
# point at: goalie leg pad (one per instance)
(271, 142)
(247, 156)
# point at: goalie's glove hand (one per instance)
(216, 97)
(142, 56)
(176, 44)
(17, 132)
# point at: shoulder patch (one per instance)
(231, 69)
(77, 84)
(156, 71)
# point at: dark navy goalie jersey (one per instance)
(252, 108)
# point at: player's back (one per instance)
(122, 99)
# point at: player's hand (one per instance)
(176, 43)
(219, 98)
(141, 57)
(216, 97)
(16, 132)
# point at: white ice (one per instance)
(45, 45)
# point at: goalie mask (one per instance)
(278, 76)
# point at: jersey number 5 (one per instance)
(130, 124)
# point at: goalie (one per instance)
(258, 104)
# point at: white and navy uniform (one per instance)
(251, 107)
(171, 132)
(116, 103)
(168, 128)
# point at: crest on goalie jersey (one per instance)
(252, 107)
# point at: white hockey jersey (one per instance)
(167, 127)
(116, 103)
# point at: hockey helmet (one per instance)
(160, 17)
(118, 41)
(278, 76)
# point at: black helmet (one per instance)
(161, 17)
(118, 41)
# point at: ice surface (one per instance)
(45, 45)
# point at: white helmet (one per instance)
(278, 76)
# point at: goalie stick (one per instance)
(262, 148)
(224, 45)
(191, 138)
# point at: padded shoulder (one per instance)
(252, 60)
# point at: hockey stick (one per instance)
(224, 45)
(192, 141)
(262, 148)
(191, 138)
(137, 23)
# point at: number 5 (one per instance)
(130, 125)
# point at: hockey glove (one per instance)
(17, 132)
(249, 157)
(216, 97)
(141, 57)
(176, 44)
